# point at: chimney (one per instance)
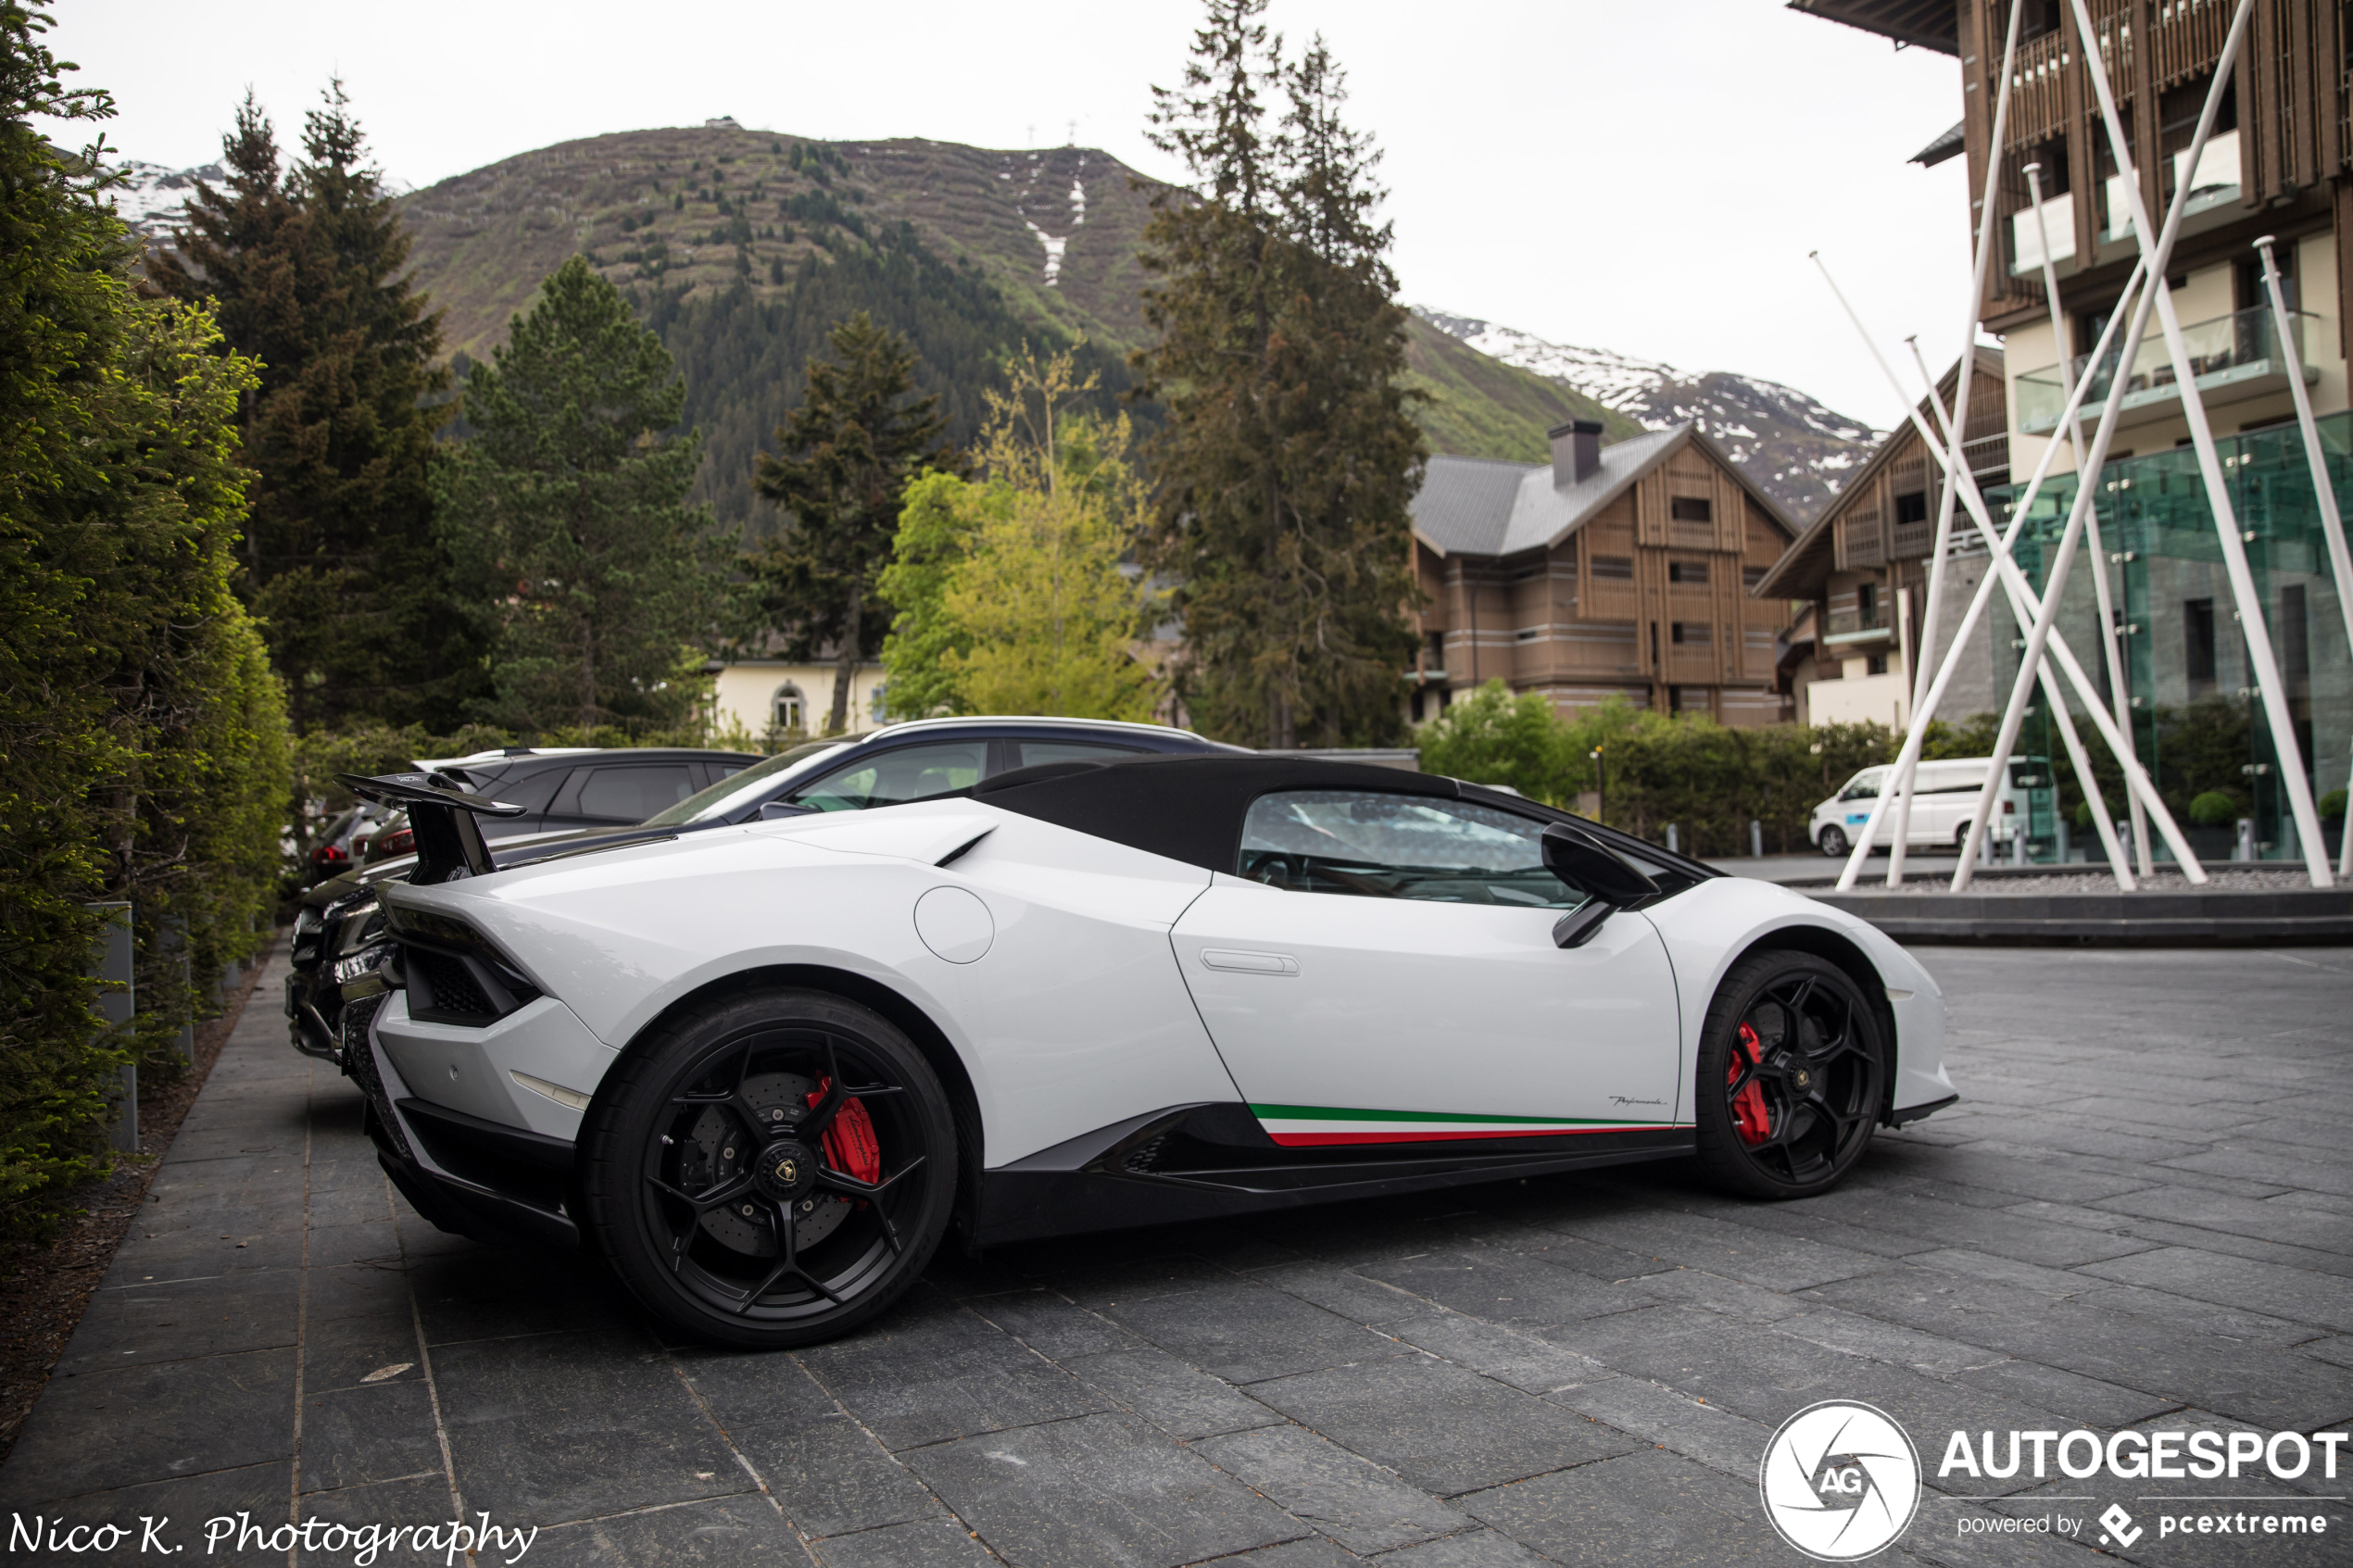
(1577, 451)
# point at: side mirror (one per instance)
(1587, 864)
(777, 810)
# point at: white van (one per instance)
(1944, 794)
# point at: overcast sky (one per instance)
(1644, 178)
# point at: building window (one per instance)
(2198, 639)
(2295, 647)
(1753, 576)
(881, 701)
(1911, 507)
(1434, 659)
(1690, 633)
(1875, 665)
(1614, 569)
(786, 712)
(1418, 706)
(1692, 571)
(1692, 508)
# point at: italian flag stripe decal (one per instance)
(1296, 1127)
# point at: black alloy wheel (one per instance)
(1791, 1077)
(1833, 841)
(770, 1170)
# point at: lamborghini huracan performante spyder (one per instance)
(762, 1070)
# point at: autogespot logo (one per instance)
(1840, 1480)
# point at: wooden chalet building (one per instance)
(1860, 569)
(1613, 571)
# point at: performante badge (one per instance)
(1840, 1481)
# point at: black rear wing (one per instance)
(441, 813)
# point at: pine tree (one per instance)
(306, 266)
(1289, 452)
(595, 584)
(840, 474)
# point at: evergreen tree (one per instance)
(1289, 452)
(307, 265)
(594, 582)
(840, 476)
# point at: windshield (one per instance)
(736, 790)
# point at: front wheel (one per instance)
(1833, 841)
(771, 1170)
(1792, 1074)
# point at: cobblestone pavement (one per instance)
(2141, 1216)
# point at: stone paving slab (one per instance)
(2141, 1216)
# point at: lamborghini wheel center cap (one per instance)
(786, 1169)
(1801, 1079)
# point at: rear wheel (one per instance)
(1833, 841)
(771, 1170)
(1791, 1077)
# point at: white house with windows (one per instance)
(770, 696)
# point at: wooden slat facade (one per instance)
(2294, 104)
(1599, 613)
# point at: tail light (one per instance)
(2010, 808)
(401, 842)
(328, 855)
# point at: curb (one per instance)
(2301, 915)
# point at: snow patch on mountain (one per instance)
(1791, 445)
(154, 199)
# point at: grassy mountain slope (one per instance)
(1482, 408)
(743, 248)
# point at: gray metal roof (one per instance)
(1481, 507)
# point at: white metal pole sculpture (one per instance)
(1925, 641)
(2256, 629)
(2024, 605)
(2053, 694)
(2157, 253)
(2117, 687)
(2331, 523)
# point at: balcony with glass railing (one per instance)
(2232, 357)
(1856, 624)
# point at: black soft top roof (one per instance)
(1190, 808)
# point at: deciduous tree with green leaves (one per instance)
(840, 473)
(598, 588)
(1289, 452)
(1014, 593)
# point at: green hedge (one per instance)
(142, 735)
(1709, 780)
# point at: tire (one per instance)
(799, 1240)
(1782, 1111)
(1834, 841)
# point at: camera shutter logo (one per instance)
(1840, 1480)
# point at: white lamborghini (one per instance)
(763, 1069)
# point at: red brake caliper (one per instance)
(850, 1145)
(1750, 1118)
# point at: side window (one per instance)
(1399, 846)
(632, 794)
(1864, 788)
(1033, 752)
(894, 778)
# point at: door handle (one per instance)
(1242, 962)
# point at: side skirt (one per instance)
(1161, 1170)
